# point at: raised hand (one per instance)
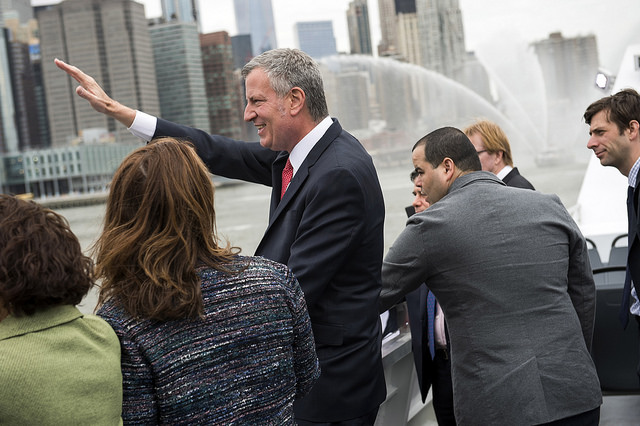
(98, 99)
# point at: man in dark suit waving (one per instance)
(316, 221)
(614, 129)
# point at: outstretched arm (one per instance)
(98, 99)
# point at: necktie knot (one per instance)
(287, 174)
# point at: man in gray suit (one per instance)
(516, 289)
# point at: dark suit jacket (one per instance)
(633, 261)
(418, 323)
(328, 228)
(515, 179)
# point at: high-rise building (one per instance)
(408, 34)
(181, 10)
(255, 17)
(25, 83)
(222, 86)
(16, 12)
(316, 38)
(108, 39)
(20, 9)
(387, 14)
(242, 50)
(179, 73)
(441, 35)
(359, 31)
(569, 65)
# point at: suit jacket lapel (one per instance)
(277, 205)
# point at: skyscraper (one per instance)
(316, 38)
(179, 74)
(569, 65)
(359, 31)
(387, 13)
(255, 17)
(222, 85)
(19, 11)
(441, 35)
(408, 35)
(242, 50)
(181, 10)
(109, 40)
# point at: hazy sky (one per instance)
(616, 23)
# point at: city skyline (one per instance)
(485, 21)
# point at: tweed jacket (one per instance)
(243, 362)
(511, 272)
(59, 367)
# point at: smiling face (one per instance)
(269, 113)
(611, 147)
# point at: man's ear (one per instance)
(634, 130)
(449, 167)
(296, 100)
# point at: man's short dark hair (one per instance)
(453, 143)
(621, 108)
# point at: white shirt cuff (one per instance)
(143, 126)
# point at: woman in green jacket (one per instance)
(57, 365)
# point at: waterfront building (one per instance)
(179, 73)
(109, 40)
(347, 93)
(359, 31)
(222, 86)
(569, 65)
(387, 14)
(441, 35)
(242, 50)
(182, 11)
(30, 119)
(316, 38)
(255, 17)
(408, 35)
(80, 169)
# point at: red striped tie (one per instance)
(287, 174)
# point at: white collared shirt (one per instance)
(304, 147)
(143, 126)
(504, 172)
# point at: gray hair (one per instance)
(289, 68)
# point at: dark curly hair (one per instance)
(41, 261)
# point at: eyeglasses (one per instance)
(481, 151)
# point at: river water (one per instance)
(242, 208)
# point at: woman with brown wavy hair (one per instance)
(57, 365)
(208, 336)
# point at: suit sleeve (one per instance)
(404, 266)
(581, 286)
(223, 156)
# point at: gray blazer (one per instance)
(511, 272)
